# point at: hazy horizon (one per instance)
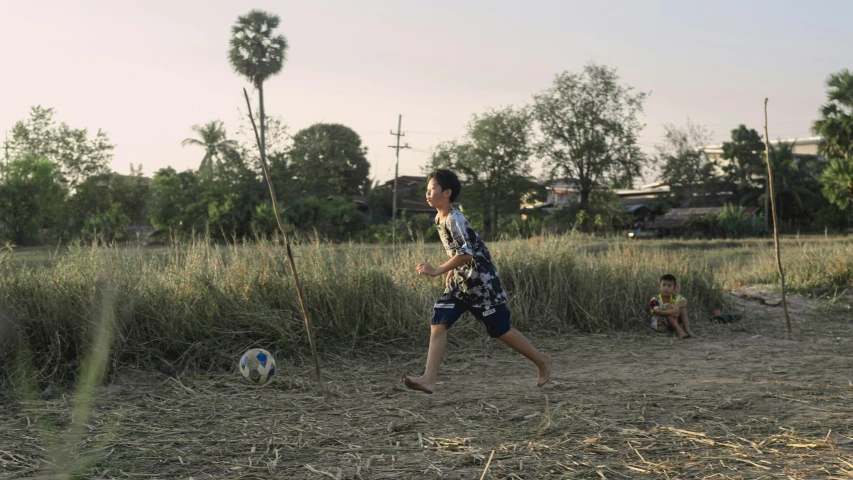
(145, 73)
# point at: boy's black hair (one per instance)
(668, 278)
(447, 180)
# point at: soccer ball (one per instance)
(257, 366)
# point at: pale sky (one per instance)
(145, 71)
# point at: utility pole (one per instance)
(396, 169)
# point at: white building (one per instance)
(803, 146)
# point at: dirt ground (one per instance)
(741, 401)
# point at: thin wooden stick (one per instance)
(487, 465)
(290, 259)
(775, 226)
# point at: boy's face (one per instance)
(435, 196)
(667, 287)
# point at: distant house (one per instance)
(558, 193)
(409, 187)
(803, 147)
(562, 192)
(637, 200)
(411, 191)
(676, 220)
(140, 179)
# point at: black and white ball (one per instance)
(257, 366)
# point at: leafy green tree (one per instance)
(107, 226)
(30, 197)
(334, 218)
(328, 159)
(173, 197)
(131, 192)
(495, 162)
(458, 155)
(257, 54)
(744, 170)
(231, 195)
(684, 165)
(75, 155)
(379, 200)
(795, 183)
(330, 218)
(278, 144)
(836, 127)
(213, 138)
(110, 200)
(837, 182)
(589, 128)
(836, 122)
(222, 201)
(502, 143)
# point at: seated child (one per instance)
(670, 310)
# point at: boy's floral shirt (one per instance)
(476, 283)
(657, 302)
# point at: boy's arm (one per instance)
(681, 303)
(657, 309)
(455, 261)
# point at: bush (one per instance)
(732, 222)
(331, 219)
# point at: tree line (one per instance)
(584, 130)
(812, 192)
(55, 180)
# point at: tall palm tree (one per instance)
(836, 122)
(837, 182)
(257, 54)
(794, 182)
(836, 127)
(212, 137)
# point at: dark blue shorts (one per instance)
(448, 309)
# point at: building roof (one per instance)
(644, 201)
(650, 191)
(800, 141)
(406, 179)
(634, 208)
(677, 217)
(415, 206)
(559, 182)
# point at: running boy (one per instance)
(472, 284)
(670, 310)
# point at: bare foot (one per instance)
(419, 383)
(683, 335)
(545, 371)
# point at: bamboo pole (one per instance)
(775, 226)
(287, 250)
